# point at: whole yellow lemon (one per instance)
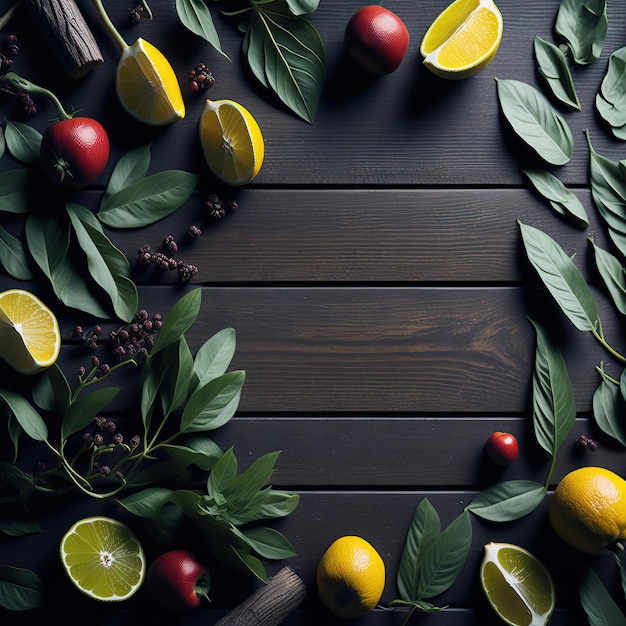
(588, 510)
(350, 577)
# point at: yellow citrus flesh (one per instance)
(517, 585)
(350, 577)
(103, 558)
(588, 510)
(147, 86)
(232, 142)
(463, 39)
(30, 339)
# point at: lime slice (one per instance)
(517, 585)
(30, 339)
(103, 558)
(232, 142)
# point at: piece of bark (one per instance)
(65, 29)
(269, 605)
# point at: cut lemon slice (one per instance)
(103, 558)
(30, 339)
(147, 86)
(232, 142)
(463, 39)
(517, 585)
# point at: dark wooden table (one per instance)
(376, 281)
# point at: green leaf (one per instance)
(608, 407)
(107, 265)
(443, 561)
(269, 504)
(554, 408)
(196, 17)
(31, 422)
(13, 191)
(267, 542)
(583, 25)
(424, 529)
(562, 278)
(214, 356)
(83, 411)
(3, 143)
(23, 142)
(611, 97)
(131, 168)
(52, 392)
(148, 200)
(286, 54)
(13, 256)
(535, 121)
(302, 7)
(243, 487)
(223, 474)
(612, 273)
(17, 520)
(597, 602)
(148, 502)
(178, 361)
(204, 460)
(15, 485)
(20, 589)
(561, 199)
(507, 501)
(552, 65)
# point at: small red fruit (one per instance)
(502, 448)
(74, 151)
(178, 580)
(377, 39)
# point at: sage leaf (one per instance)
(554, 408)
(107, 265)
(13, 256)
(267, 542)
(608, 406)
(23, 142)
(611, 97)
(31, 422)
(13, 191)
(552, 65)
(84, 410)
(507, 501)
(20, 589)
(561, 199)
(214, 356)
(444, 559)
(535, 121)
(612, 273)
(583, 25)
(196, 17)
(148, 200)
(302, 7)
(286, 54)
(131, 168)
(561, 277)
(597, 602)
(424, 528)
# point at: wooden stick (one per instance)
(268, 605)
(63, 26)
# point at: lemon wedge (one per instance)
(30, 339)
(232, 142)
(463, 39)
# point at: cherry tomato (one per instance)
(179, 580)
(74, 152)
(502, 448)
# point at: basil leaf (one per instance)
(583, 25)
(561, 277)
(83, 411)
(196, 17)
(287, 55)
(612, 273)
(267, 542)
(535, 121)
(444, 559)
(131, 168)
(554, 409)
(107, 265)
(597, 602)
(561, 199)
(223, 474)
(13, 256)
(214, 356)
(608, 407)
(243, 487)
(31, 422)
(13, 191)
(552, 65)
(508, 500)
(424, 529)
(23, 142)
(147, 200)
(20, 589)
(175, 386)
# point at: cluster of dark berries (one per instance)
(586, 442)
(200, 78)
(165, 257)
(135, 13)
(216, 207)
(8, 51)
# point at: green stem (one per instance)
(109, 25)
(607, 347)
(91, 378)
(12, 83)
(546, 484)
(6, 18)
